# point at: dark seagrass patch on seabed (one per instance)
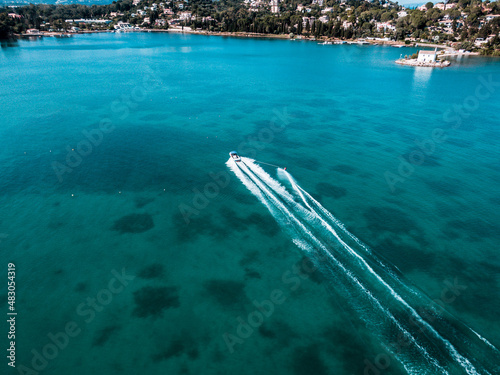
(198, 225)
(446, 186)
(405, 256)
(228, 293)
(329, 190)
(389, 219)
(264, 224)
(178, 347)
(133, 223)
(349, 344)
(343, 168)
(103, 335)
(152, 271)
(140, 202)
(308, 361)
(473, 230)
(151, 301)
(81, 287)
(278, 331)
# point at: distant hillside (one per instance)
(26, 2)
(408, 3)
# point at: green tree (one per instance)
(6, 25)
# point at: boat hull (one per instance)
(234, 156)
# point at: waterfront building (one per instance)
(427, 56)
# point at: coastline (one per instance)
(448, 51)
(414, 62)
(222, 33)
(274, 36)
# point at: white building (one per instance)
(427, 56)
(384, 26)
(402, 14)
(308, 20)
(443, 6)
(185, 15)
(324, 19)
(274, 6)
(480, 41)
(91, 21)
(491, 17)
(346, 25)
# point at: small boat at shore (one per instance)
(234, 155)
(325, 43)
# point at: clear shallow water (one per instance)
(339, 117)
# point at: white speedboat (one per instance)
(234, 156)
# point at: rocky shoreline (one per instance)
(414, 62)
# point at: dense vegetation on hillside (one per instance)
(466, 21)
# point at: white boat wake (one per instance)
(418, 332)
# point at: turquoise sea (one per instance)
(137, 249)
